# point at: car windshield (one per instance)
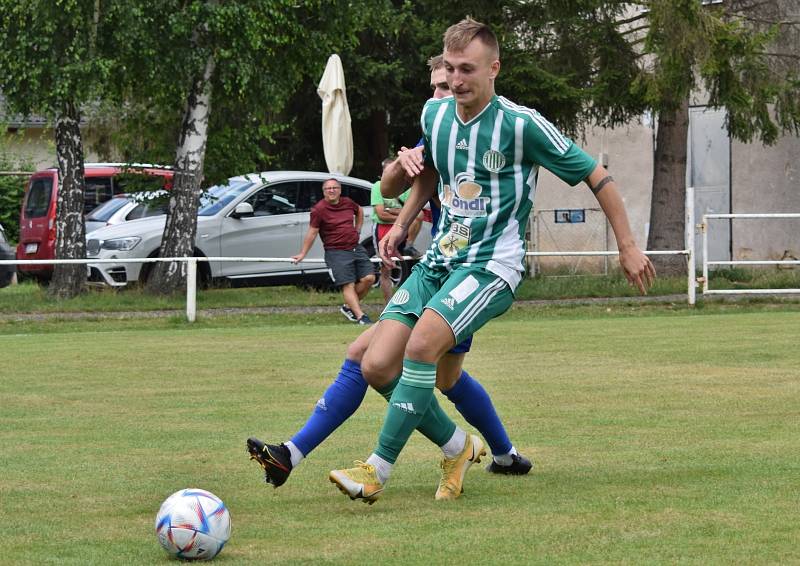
(103, 212)
(217, 197)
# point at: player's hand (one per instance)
(411, 161)
(298, 258)
(638, 268)
(388, 246)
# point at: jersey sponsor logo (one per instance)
(405, 407)
(462, 144)
(449, 302)
(456, 239)
(494, 160)
(465, 200)
(401, 297)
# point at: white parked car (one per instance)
(257, 215)
(125, 207)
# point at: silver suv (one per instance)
(257, 215)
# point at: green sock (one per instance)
(408, 404)
(435, 425)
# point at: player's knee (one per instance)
(420, 348)
(374, 369)
(355, 351)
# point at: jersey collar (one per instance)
(477, 116)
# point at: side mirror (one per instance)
(242, 210)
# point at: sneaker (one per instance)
(453, 469)
(519, 466)
(364, 319)
(276, 460)
(348, 313)
(360, 482)
(412, 251)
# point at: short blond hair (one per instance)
(459, 35)
(435, 62)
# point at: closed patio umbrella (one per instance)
(337, 135)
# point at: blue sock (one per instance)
(340, 400)
(475, 405)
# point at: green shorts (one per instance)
(466, 298)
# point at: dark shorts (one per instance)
(348, 266)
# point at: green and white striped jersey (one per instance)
(488, 169)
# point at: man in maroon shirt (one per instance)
(338, 221)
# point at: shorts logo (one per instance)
(449, 302)
(494, 160)
(401, 297)
(455, 240)
(465, 200)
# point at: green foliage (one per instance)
(52, 53)
(263, 50)
(12, 187)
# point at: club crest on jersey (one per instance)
(455, 240)
(465, 200)
(494, 160)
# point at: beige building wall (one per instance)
(627, 152)
(766, 179)
(37, 145)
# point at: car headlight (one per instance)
(120, 244)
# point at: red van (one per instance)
(37, 222)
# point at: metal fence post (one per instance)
(191, 289)
(704, 230)
(691, 267)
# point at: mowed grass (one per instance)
(659, 438)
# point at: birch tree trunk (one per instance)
(667, 209)
(181, 226)
(69, 280)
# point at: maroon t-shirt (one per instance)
(336, 223)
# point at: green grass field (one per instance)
(660, 435)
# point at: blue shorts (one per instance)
(462, 347)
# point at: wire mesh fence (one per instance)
(568, 229)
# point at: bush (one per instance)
(12, 187)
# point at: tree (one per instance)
(733, 50)
(51, 63)
(245, 57)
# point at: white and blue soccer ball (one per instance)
(193, 524)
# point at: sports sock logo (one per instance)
(462, 144)
(321, 404)
(405, 407)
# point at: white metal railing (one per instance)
(191, 262)
(706, 263)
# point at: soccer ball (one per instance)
(193, 524)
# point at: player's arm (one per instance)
(422, 190)
(402, 171)
(638, 268)
(308, 241)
